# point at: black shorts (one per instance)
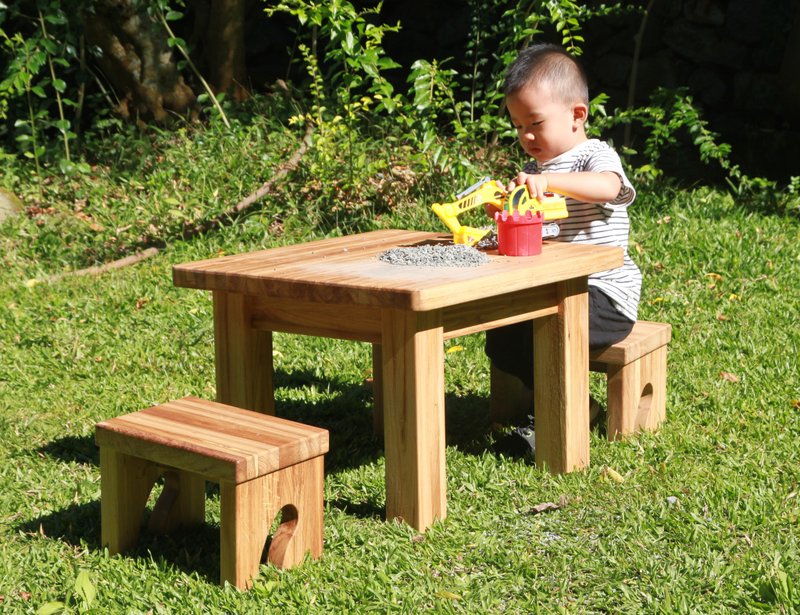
(510, 348)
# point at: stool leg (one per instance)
(125, 484)
(637, 394)
(247, 511)
(654, 370)
(299, 495)
(621, 381)
(243, 529)
(181, 503)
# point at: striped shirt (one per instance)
(600, 223)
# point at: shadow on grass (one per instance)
(362, 510)
(347, 416)
(72, 449)
(467, 429)
(467, 423)
(349, 420)
(77, 525)
(191, 550)
(353, 443)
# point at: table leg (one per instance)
(413, 401)
(377, 390)
(243, 356)
(561, 381)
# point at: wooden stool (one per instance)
(263, 464)
(636, 373)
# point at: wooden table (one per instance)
(338, 288)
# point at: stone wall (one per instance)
(738, 58)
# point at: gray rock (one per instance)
(10, 205)
(703, 45)
(710, 88)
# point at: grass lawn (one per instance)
(704, 518)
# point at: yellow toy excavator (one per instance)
(491, 192)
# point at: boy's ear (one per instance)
(580, 113)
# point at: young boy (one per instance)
(548, 100)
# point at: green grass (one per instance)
(705, 520)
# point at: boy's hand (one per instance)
(537, 184)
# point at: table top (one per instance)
(347, 271)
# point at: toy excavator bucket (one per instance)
(470, 235)
(484, 192)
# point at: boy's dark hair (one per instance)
(551, 65)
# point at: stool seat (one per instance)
(644, 338)
(636, 378)
(264, 465)
(219, 441)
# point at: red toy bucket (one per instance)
(519, 234)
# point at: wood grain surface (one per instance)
(346, 270)
(215, 440)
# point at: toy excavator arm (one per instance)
(485, 192)
(491, 192)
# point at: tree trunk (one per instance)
(136, 59)
(225, 51)
(220, 39)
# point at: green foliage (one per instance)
(344, 39)
(147, 188)
(343, 56)
(470, 103)
(468, 106)
(498, 31)
(42, 81)
(349, 93)
(81, 597)
(671, 117)
(432, 106)
(670, 112)
(793, 195)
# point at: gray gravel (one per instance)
(489, 241)
(455, 255)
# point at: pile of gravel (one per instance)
(489, 241)
(453, 255)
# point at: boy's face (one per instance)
(546, 127)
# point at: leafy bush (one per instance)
(449, 119)
(43, 85)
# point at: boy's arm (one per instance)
(586, 186)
